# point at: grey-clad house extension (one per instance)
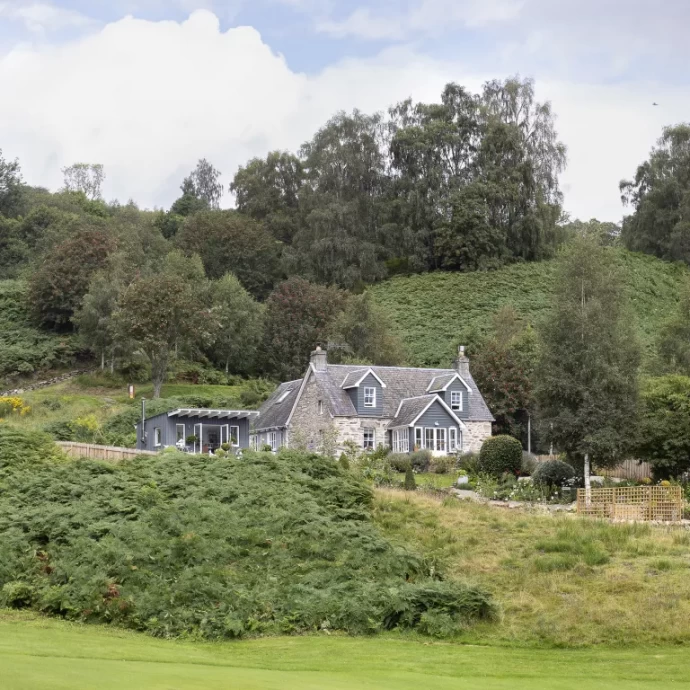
(211, 428)
(404, 408)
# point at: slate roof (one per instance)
(410, 409)
(438, 382)
(401, 383)
(354, 376)
(274, 414)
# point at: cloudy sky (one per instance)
(147, 87)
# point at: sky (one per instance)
(147, 87)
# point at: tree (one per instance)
(664, 426)
(299, 315)
(364, 333)
(11, 187)
(86, 178)
(237, 325)
(228, 241)
(203, 183)
(503, 367)
(343, 203)
(660, 197)
(586, 378)
(604, 233)
(157, 314)
(57, 287)
(94, 319)
(268, 191)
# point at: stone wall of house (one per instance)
(307, 425)
(476, 434)
(352, 429)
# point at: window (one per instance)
(401, 440)
(456, 401)
(157, 437)
(320, 406)
(255, 442)
(370, 397)
(273, 440)
(453, 439)
(235, 435)
(369, 439)
(418, 438)
(429, 439)
(179, 433)
(284, 395)
(441, 440)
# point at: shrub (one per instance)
(420, 460)
(399, 461)
(442, 464)
(552, 473)
(469, 462)
(146, 545)
(410, 484)
(500, 454)
(344, 461)
(529, 464)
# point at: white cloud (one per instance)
(40, 17)
(148, 99)
(427, 17)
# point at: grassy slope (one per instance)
(560, 580)
(36, 653)
(432, 311)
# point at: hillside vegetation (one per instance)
(433, 311)
(224, 547)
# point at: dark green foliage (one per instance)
(215, 548)
(500, 455)
(552, 473)
(24, 349)
(344, 461)
(663, 437)
(229, 241)
(420, 460)
(410, 483)
(299, 315)
(11, 187)
(24, 450)
(399, 461)
(660, 197)
(255, 393)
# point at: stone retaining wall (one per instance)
(44, 384)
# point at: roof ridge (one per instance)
(379, 366)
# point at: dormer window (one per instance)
(456, 401)
(320, 407)
(370, 397)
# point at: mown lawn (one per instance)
(50, 654)
(559, 580)
(431, 480)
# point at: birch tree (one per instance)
(586, 378)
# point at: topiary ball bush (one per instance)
(552, 473)
(500, 454)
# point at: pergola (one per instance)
(212, 414)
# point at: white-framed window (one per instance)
(453, 439)
(157, 437)
(418, 438)
(235, 436)
(401, 440)
(319, 406)
(456, 401)
(370, 397)
(441, 440)
(179, 433)
(369, 442)
(429, 439)
(273, 440)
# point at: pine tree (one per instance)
(410, 483)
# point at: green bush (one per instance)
(420, 460)
(399, 462)
(529, 464)
(20, 449)
(552, 473)
(180, 545)
(469, 462)
(500, 454)
(442, 464)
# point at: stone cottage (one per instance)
(404, 408)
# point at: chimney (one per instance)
(462, 363)
(319, 359)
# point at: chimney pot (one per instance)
(462, 363)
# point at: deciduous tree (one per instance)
(587, 371)
(86, 178)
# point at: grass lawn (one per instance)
(560, 580)
(43, 653)
(431, 480)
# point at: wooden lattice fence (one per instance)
(659, 503)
